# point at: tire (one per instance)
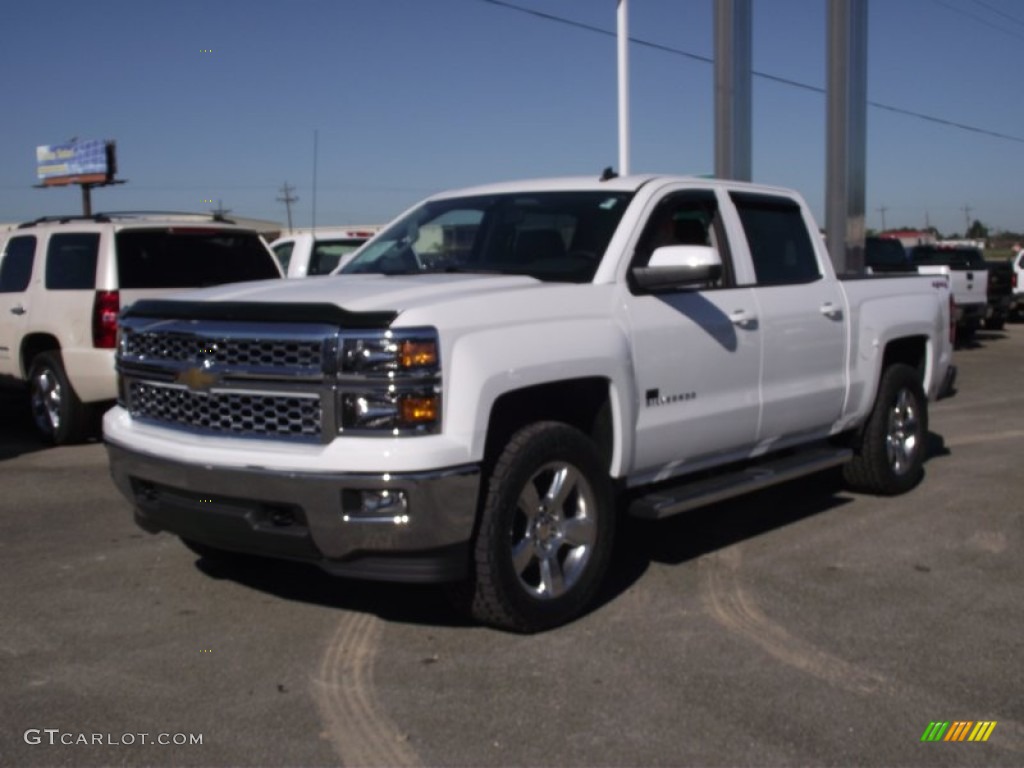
(60, 417)
(889, 452)
(995, 323)
(545, 532)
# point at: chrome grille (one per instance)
(228, 413)
(294, 354)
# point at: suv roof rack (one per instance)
(107, 216)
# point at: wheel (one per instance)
(889, 454)
(545, 533)
(995, 323)
(59, 415)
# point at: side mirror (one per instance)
(679, 266)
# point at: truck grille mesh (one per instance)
(228, 413)
(237, 352)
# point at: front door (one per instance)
(697, 351)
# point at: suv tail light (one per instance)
(104, 319)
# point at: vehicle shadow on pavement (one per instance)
(17, 432)
(700, 531)
(425, 604)
(639, 543)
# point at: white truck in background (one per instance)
(967, 272)
(503, 370)
(319, 251)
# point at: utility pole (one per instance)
(220, 211)
(288, 199)
(967, 218)
(882, 209)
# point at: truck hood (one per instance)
(367, 293)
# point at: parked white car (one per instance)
(319, 252)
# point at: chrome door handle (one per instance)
(831, 311)
(743, 318)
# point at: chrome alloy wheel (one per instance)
(554, 530)
(47, 396)
(902, 440)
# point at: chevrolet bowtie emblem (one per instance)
(197, 379)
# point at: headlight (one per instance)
(390, 382)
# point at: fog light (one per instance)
(384, 505)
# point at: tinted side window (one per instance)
(190, 258)
(780, 245)
(689, 217)
(71, 261)
(284, 254)
(16, 264)
(327, 254)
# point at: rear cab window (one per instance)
(191, 257)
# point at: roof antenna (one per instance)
(608, 174)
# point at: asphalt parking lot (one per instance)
(804, 625)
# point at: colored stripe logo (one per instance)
(959, 730)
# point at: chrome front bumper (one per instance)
(421, 533)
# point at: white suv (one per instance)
(63, 281)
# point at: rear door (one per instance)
(802, 314)
(16, 264)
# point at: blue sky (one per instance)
(409, 97)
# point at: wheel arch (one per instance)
(33, 344)
(585, 403)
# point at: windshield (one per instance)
(555, 236)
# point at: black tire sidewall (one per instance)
(506, 602)
(896, 379)
(66, 432)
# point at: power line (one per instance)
(980, 19)
(762, 75)
(998, 12)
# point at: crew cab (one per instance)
(502, 371)
(63, 280)
(319, 251)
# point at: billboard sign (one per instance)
(76, 162)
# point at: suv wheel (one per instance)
(60, 417)
(545, 532)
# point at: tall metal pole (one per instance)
(846, 127)
(623, 48)
(732, 89)
(314, 178)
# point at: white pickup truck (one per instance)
(503, 370)
(319, 251)
(967, 273)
